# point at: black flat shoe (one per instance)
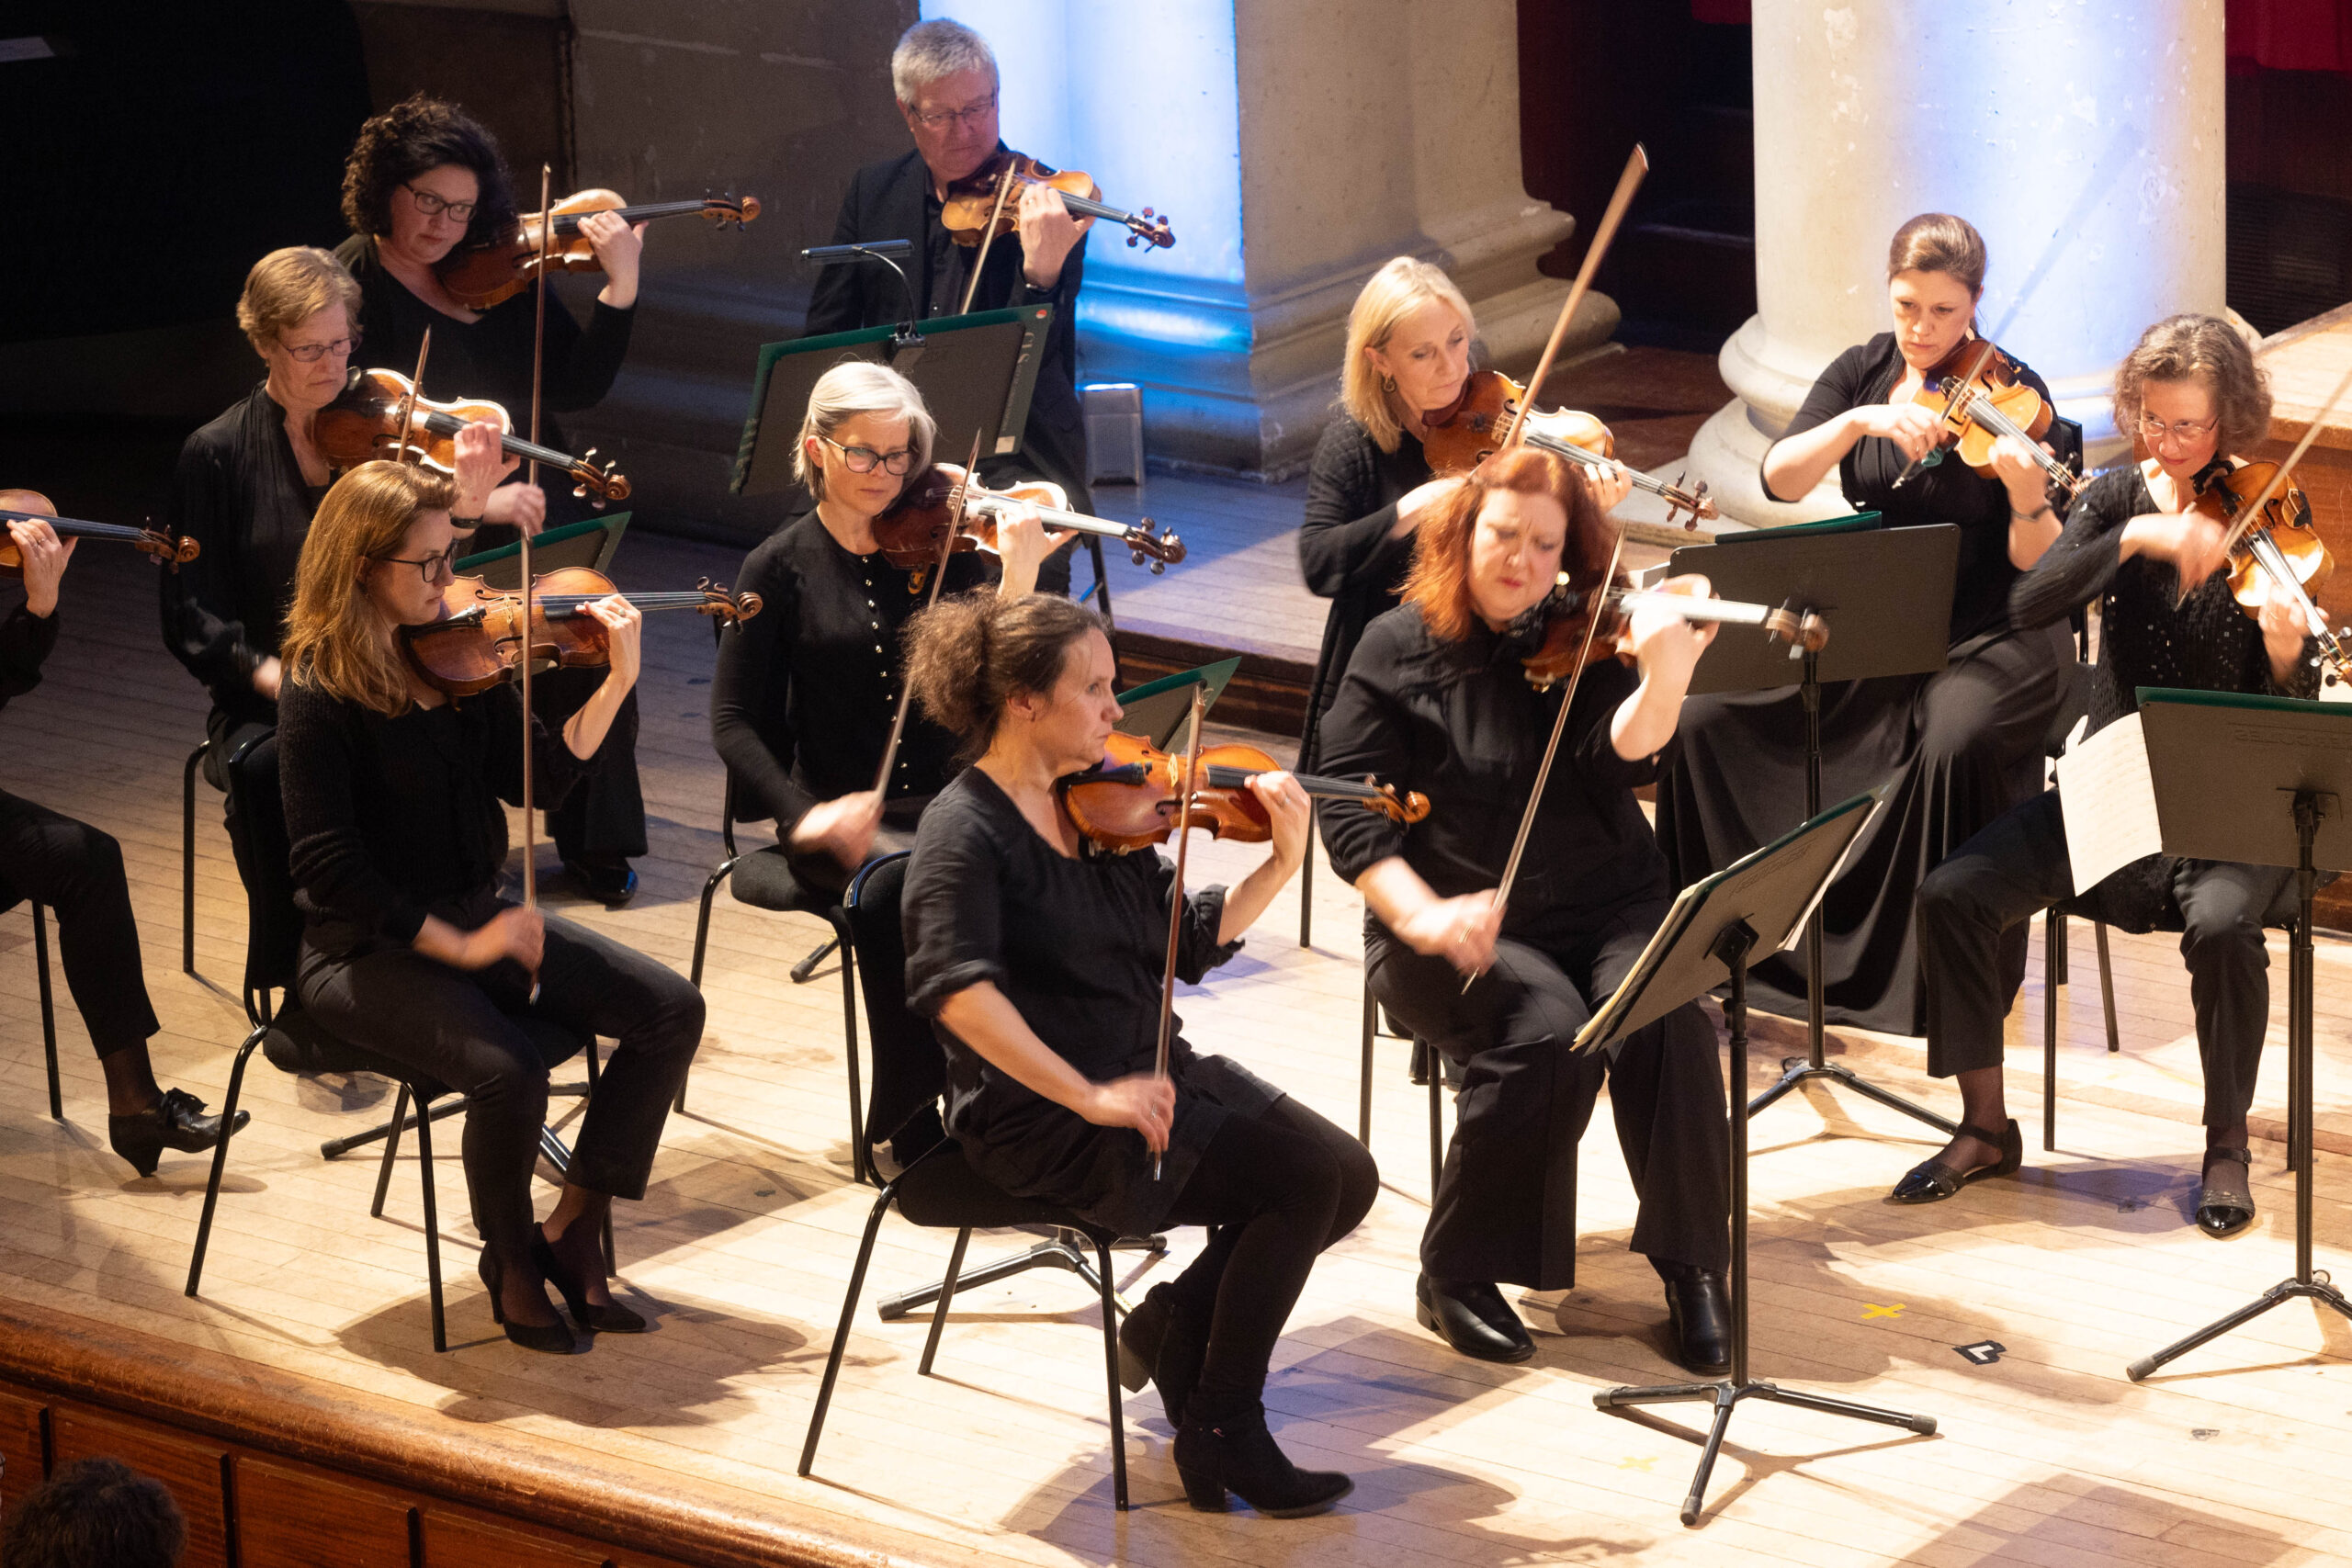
(609, 1318)
(1932, 1181)
(611, 884)
(2225, 1200)
(548, 1338)
(175, 1122)
(1473, 1318)
(1698, 1316)
(1242, 1456)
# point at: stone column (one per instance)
(2083, 139)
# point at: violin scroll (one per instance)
(1803, 630)
(725, 603)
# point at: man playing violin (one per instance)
(2192, 392)
(946, 79)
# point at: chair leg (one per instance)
(1307, 894)
(391, 1147)
(702, 943)
(187, 859)
(220, 1156)
(840, 1333)
(806, 970)
(947, 1294)
(2053, 945)
(1437, 1122)
(612, 1259)
(47, 1012)
(1363, 1073)
(432, 1227)
(1111, 1372)
(2106, 986)
(861, 1158)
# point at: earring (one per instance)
(1388, 383)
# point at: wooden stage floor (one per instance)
(2240, 1455)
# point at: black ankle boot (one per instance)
(1162, 1344)
(174, 1122)
(1240, 1456)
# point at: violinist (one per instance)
(1368, 486)
(804, 698)
(1436, 700)
(1040, 957)
(1955, 749)
(76, 871)
(423, 181)
(392, 793)
(2192, 392)
(944, 76)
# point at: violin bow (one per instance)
(538, 367)
(2239, 524)
(408, 403)
(988, 235)
(1176, 897)
(1628, 183)
(938, 577)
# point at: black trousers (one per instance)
(77, 871)
(2015, 868)
(1275, 1189)
(604, 816)
(1505, 1208)
(460, 1027)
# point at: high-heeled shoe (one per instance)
(1932, 1181)
(1242, 1456)
(174, 1122)
(548, 1338)
(611, 1317)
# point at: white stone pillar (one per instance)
(2083, 138)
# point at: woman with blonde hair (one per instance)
(393, 794)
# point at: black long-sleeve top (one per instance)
(2208, 644)
(1948, 492)
(801, 705)
(1459, 723)
(238, 493)
(25, 641)
(1344, 548)
(392, 819)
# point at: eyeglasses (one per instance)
(312, 353)
(865, 460)
(433, 205)
(2187, 429)
(432, 567)
(973, 115)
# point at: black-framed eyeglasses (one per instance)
(971, 113)
(312, 353)
(433, 205)
(865, 459)
(432, 569)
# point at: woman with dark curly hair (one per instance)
(422, 182)
(2193, 395)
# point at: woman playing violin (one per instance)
(392, 794)
(1040, 957)
(1369, 487)
(1960, 746)
(423, 180)
(2192, 393)
(803, 703)
(1436, 700)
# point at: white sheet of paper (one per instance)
(2108, 801)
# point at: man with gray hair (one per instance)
(946, 79)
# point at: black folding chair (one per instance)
(48, 1010)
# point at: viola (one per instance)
(1560, 634)
(480, 644)
(1136, 796)
(1977, 393)
(378, 416)
(913, 532)
(26, 505)
(2276, 543)
(1458, 438)
(482, 275)
(984, 204)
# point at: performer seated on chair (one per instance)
(805, 692)
(1436, 700)
(76, 871)
(2193, 394)
(392, 794)
(1040, 957)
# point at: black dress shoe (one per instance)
(2225, 1200)
(548, 1338)
(1242, 1456)
(1932, 1181)
(174, 1122)
(1698, 1316)
(1473, 1318)
(610, 883)
(609, 1318)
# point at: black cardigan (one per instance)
(25, 641)
(1344, 548)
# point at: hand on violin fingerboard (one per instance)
(480, 463)
(43, 556)
(1048, 234)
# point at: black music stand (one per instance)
(1706, 939)
(2261, 781)
(1887, 593)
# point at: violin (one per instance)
(1134, 797)
(378, 416)
(1978, 395)
(477, 645)
(26, 505)
(1559, 634)
(482, 275)
(912, 531)
(2276, 543)
(983, 204)
(1459, 437)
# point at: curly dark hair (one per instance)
(95, 1513)
(2190, 347)
(412, 136)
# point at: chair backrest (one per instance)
(273, 925)
(909, 1068)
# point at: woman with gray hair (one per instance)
(802, 705)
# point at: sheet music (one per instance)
(2109, 802)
